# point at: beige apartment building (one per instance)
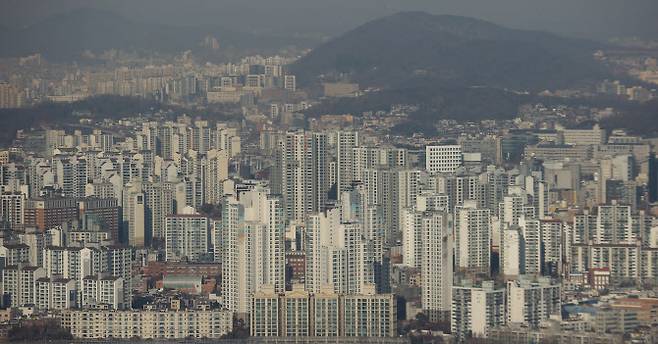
(147, 324)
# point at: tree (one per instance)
(212, 211)
(240, 330)
(37, 330)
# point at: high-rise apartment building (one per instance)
(298, 313)
(337, 254)
(134, 217)
(12, 208)
(290, 83)
(346, 142)
(437, 266)
(10, 96)
(476, 309)
(19, 282)
(303, 164)
(216, 171)
(57, 293)
(531, 301)
(186, 237)
(511, 246)
(71, 175)
(104, 211)
(412, 238)
(473, 238)
(252, 248)
(98, 292)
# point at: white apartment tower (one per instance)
(251, 236)
(476, 309)
(411, 226)
(338, 255)
(303, 161)
(12, 208)
(511, 209)
(346, 141)
(531, 301)
(531, 248)
(511, 252)
(216, 172)
(54, 293)
(19, 283)
(290, 83)
(394, 189)
(186, 236)
(134, 216)
(412, 238)
(473, 238)
(71, 174)
(437, 264)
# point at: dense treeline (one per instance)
(38, 330)
(479, 103)
(462, 103)
(48, 113)
(638, 119)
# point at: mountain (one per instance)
(65, 36)
(416, 48)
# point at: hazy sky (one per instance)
(591, 18)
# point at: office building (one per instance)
(46, 213)
(443, 158)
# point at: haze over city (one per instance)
(588, 18)
(365, 171)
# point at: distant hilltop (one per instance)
(407, 47)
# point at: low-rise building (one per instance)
(147, 324)
(298, 313)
